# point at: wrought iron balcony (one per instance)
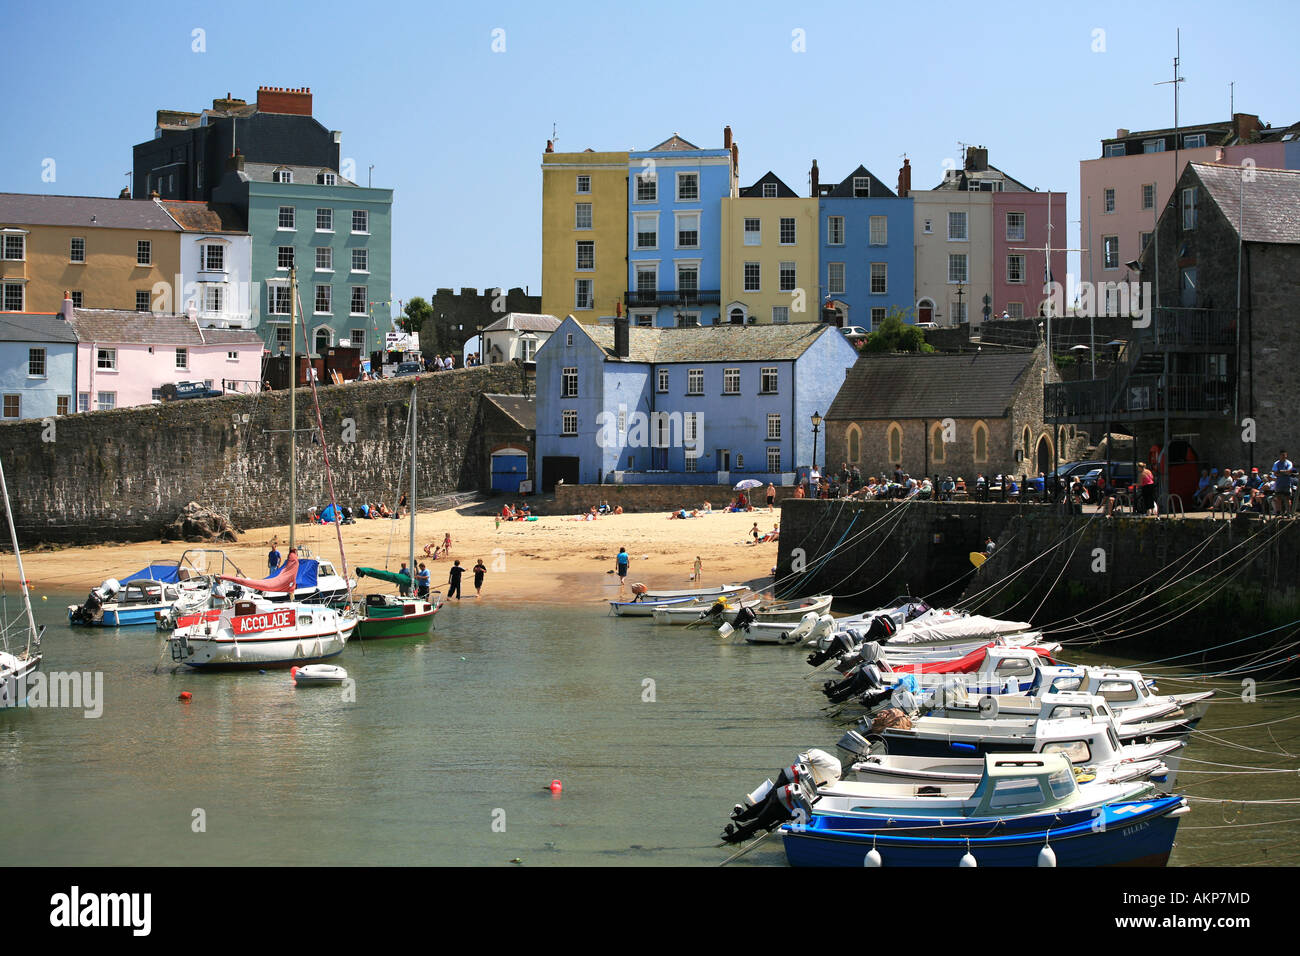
(1193, 329)
(1139, 398)
(681, 297)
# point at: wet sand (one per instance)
(555, 560)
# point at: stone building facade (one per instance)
(957, 415)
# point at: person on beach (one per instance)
(422, 582)
(446, 543)
(697, 570)
(623, 560)
(453, 580)
(480, 569)
(405, 589)
(273, 559)
(754, 533)
(771, 497)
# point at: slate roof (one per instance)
(896, 387)
(1269, 206)
(782, 190)
(877, 188)
(673, 142)
(969, 180)
(34, 327)
(116, 327)
(302, 175)
(524, 322)
(31, 209)
(711, 343)
(204, 216)
(519, 408)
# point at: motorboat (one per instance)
(699, 594)
(645, 608)
(256, 634)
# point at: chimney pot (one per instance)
(622, 338)
(726, 137)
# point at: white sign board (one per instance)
(402, 341)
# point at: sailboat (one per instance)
(388, 615)
(259, 633)
(15, 668)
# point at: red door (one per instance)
(926, 313)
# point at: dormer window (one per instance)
(326, 179)
(861, 187)
(283, 175)
(769, 190)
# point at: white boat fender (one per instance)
(1047, 856)
(873, 859)
(968, 859)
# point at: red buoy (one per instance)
(556, 786)
(185, 695)
(293, 673)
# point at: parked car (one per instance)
(1122, 476)
(178, 390)
(408, 368)
(854, 332)
(927, 325)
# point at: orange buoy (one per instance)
(556, 786)
(293, 673)
(185, 695)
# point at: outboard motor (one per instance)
(744, 617)
(841, 643)
(92, 612)
(881, 629)
(790, 797)
(861, 681)
(868, 653)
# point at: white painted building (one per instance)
(216, 255)
(516, 335)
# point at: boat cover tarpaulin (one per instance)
(166, 573)
(956, 630)
(293, 575)
(392, 577)
(962, 665)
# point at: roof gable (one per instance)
(673, 142)
(877, 188)
(711, 343)
(1267, 206)
(782, 190)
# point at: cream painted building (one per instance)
(769, 256)
(107, 253)
(954, 258)
(584, 233)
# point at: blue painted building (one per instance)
(674, 219)
(657, 405)
(38, 365)
(866, 253)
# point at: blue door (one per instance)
(508, 471)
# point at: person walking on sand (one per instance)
(273, 559)
(623, 560)
(771, 497)
(697, 570)
(446, 543)
(453, 580)
(754, 532)
(480, 569)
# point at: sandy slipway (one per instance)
(556, 559)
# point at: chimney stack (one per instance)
(235, 162)
(977, 159)
(816, 180)
(279, 99)
(622, 338)
(1121, 134)
(67, 305)
(905, 179)
(726, 137)
(1245, 126)
(550, 146)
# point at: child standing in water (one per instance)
(479, 570)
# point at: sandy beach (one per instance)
(556, 560)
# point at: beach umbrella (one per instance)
(748, 483)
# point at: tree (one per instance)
(416, 313)
(895, 335)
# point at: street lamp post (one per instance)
(816, 424)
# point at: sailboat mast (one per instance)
(22, 578)
(293, 404)
(414, 420)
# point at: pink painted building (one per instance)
(126, 358)
(1020, 234)
(1123, 192)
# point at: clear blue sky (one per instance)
(458, 130)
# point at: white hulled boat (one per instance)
(17, 665)
(258, 634)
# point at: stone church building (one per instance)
(953, 414)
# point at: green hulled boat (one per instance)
(389, 615)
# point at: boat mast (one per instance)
(414, 419)
(293, 404)
(22, 578)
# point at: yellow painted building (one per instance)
(109, 253)
(584, 234)
(769, 256)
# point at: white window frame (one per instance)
(639, 221)
(35, 357)
(328, 218)
(214, 298)
(144, 252)
(695, 381)
(1014, 234)
(4, 296)
(578, 208)
(731, 381)
(583, 179)
(590, 245)
(661, 384)
(1016, 268)
(687, 177)
(569, 381)
(1108, 200)
(1153, 145)
(835, 278)
(365, 222)
(793, 223)
(678, 218)
(289, 214)
(324, 258)
(953, 258)
(955, 217)
(773, 426)
(787, 276)
(182, 359)
(773, 459)
(834, 224)
(769, 376)
(769, 190)
(328, 299)
(1194, 141)
(282, 176)
(879, 270)
(757, 283)
(1110, 252)
(780, 315)
(646, 268)
(72, 248)
(881, 237)
(569, 423)
(649, 180)
(365, 254)
(280, 258)
(1152, 203)
(352, 298)
(1187, 204)
(877, 315)
(105, 360)
(861, 187)
(14, 236)
(753, 237)
(589, 286)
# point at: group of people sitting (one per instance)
(1236, 491)
(515, 513)
(433, 551)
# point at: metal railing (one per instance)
(1194, 328)
(1139, 396)
(685, 297)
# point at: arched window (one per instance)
(737, 316)
(855, 444)
(1028, 443)
(1060, 439)
(936, 443)
(980, 439)
(895, 444)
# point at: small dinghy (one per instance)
(318, 675)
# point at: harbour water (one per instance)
(447, 751)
